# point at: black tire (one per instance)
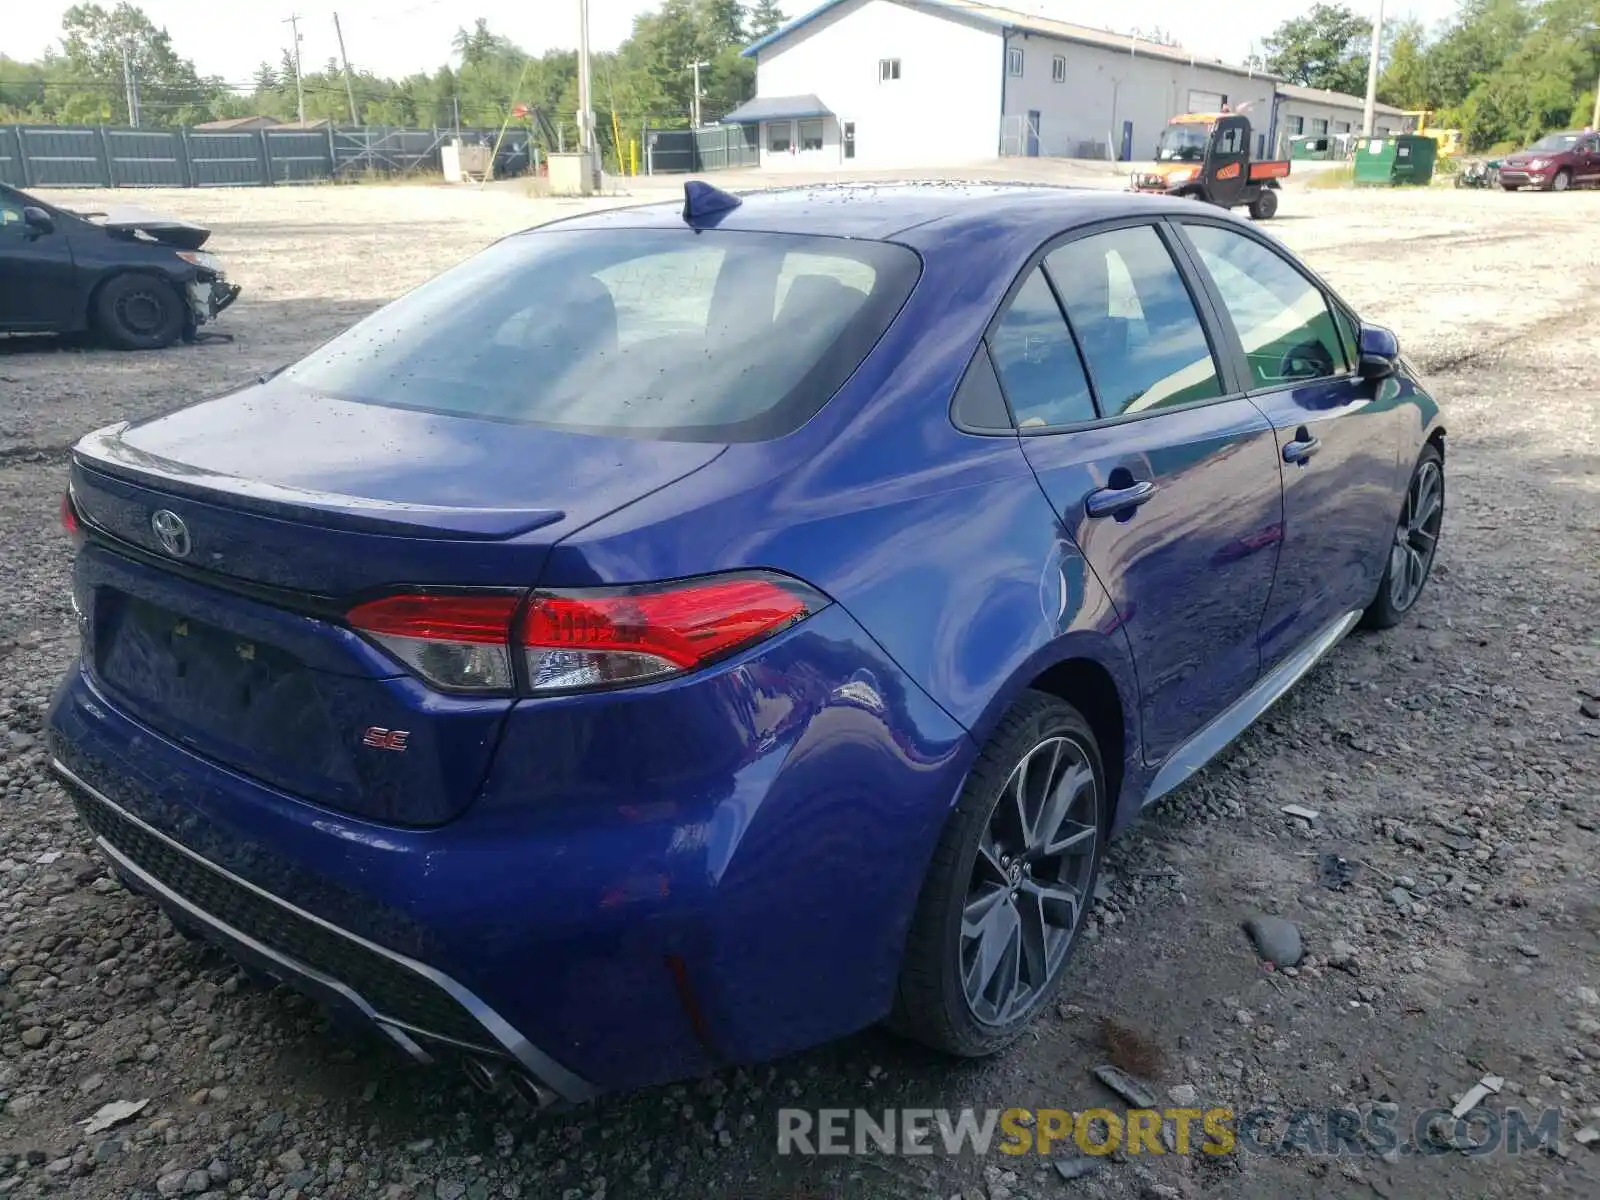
(1562, 180)
(1265, 206)
(1388, 607)
(136, 311)
(932, 1005)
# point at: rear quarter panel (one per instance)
(940, 543)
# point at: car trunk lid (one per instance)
(230, 639)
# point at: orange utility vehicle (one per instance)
(1206, 156)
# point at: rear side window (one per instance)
(1135, 320)
(1037, 361)
(1282, 318)
(671, 334)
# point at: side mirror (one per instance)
(38, 220)
(1379, 352)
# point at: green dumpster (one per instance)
(1310, 147)
(1404, 158)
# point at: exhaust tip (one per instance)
(483, 1074)
(531, 1091)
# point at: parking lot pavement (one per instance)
(1451, 761)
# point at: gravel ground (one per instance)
(1453, 762)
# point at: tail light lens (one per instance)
(69, 519)
(580, 640)
(600, 638)
(458, 642)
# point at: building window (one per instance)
(1341, 126)
(811, 135)
(1318, 126)
(888, 70)
(1014, 61)
(780, 137)
(1058, 69)
(1297, 126)
(1383, 131)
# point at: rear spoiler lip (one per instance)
(105, 453)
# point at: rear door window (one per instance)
(674, 334)
(1038, 364)
(1138, 326)
(1282, 318)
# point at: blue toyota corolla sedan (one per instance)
(685, 634)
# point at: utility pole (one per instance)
(694, 103)
(130, 87)
(585, 108)
(293, 22)
(1372, 74)
(349, 91)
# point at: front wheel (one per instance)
(139, 312)
(1562, 181)
(1415, 542)
(1265, 206)
(1011, 882)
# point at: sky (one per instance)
(397, 37)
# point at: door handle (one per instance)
(1302, 448)
(1109, 502)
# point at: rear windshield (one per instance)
(670, 334)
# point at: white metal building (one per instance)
(927, 82)
(1317, 111)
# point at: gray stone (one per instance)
(171, 1184)
(291, 1160)
(1075, 1167)
(1277, 941)
(449, 1189)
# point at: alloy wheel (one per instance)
(1030, 881)
(1417, 536)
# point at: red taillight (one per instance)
(588, 639)
(459, 642)
(581, 639)
(69, 519)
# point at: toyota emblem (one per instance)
(171, 532)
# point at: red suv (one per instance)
(1554, 163)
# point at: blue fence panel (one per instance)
(62, 156)
(227, 159)
(146, 157)
(11, 170)
(299, 155)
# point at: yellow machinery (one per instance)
(1448, 140)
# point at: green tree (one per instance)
(95, 41)
(1405, 81)
(765, 17)
(1326, 48)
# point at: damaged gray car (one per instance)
(138, 280)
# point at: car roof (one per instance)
(884, 210)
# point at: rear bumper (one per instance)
(284, 941)
(732, 911)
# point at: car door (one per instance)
(1338, 434)
(1167, 482)
(1228, 161)
(1587, 160)
(37, 289)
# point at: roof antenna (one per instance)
(702, 201)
